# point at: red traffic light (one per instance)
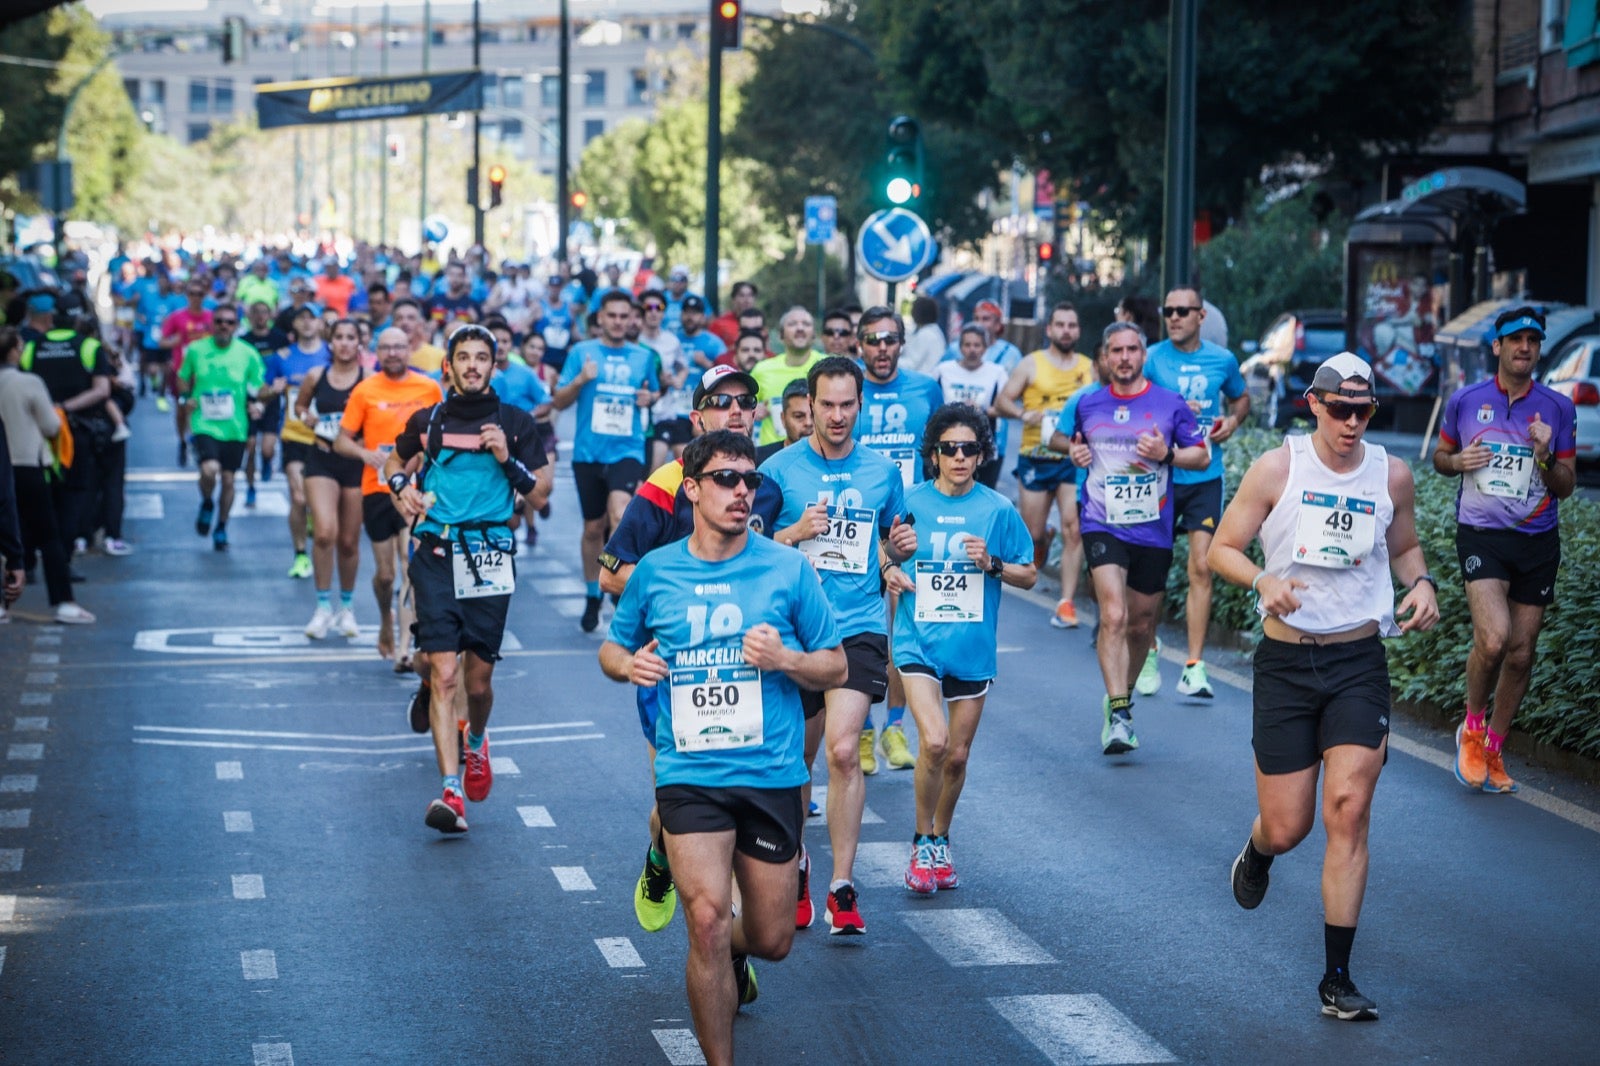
(497, 175)
(727, 28)
(1047, 251)
(580, 199)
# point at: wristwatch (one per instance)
(997, 566)
(1429, 579)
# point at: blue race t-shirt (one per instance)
(519, 386)
(864, 493)
(1202, 377)
(704, 348)
(963, 649)
(611, 424)
(1509, 493)
(700, 612)
(1069, 417)
(893, 417)
(1125, 495)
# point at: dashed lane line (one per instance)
(15, 819)
(240, 745)
(31, 725)
(259, 965)
(573, 878)
(1075, 1029)
(976, 937)
(19, 783)
(230, 771)
(36, 699)
(262, 734)
(619, 952)
(536, 817)
(274, 1054)
(25, 752)
(10, 860)
(238, 822)
(249, 886)
(680, 1046)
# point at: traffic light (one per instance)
(580, 200)
(727, 23)
(497, 185)
(233, 39)
(1046, 253)
(903, 176)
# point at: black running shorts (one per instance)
(445, 623)
(765, 821)
(952, 688)
(1528, 561)
(867, 655)
(1197, 507)
(1147, 567)
(228, 454)
(597, 481)
(1312, 697)
(344, 470)
(380, 517)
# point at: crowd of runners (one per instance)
(790, 533)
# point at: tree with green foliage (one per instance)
(1276, 258)
(1079, 86)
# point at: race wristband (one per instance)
(398, 483)
(1256, 582)
(1429, 579)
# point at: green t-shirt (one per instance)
(225, 380)
(773, 376)
(252, 289)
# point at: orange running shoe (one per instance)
(1066, 616)
(1470, 768)
(1498, 780)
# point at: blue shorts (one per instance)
(1045, 475)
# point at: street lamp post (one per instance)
(1177, 230)
(563, 132)
(477, 131)
(713, 165)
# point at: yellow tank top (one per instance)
(1050, 389)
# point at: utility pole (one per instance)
(422, 202)
(713, 164)
(563, 132)
(355, 164)
(1177, 229)
(383, 139)
(477, 134)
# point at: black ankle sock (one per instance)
(1337, 941)
(1123, 704)
(1257, 862)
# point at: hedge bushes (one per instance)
(1562, 706)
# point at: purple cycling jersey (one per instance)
(1125, 495)
(1509, 493)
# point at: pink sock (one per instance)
(1493, 741)
(1475, 721)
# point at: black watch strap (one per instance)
(398, 483)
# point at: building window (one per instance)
(1552, 20)
(491, 90)
(594, 89)
(511, 96)
(686, 31)
(222, 96)
(131, 87)
(639, 31)
(592, 128)
(199, 131)
(550, 91)
(155, 91)
(263, 79)
(639, 87)
(199, 99)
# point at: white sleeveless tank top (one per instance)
(1328, 530)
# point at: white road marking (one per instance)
(235, 745)
(25, 752)
(259, 965)
(238, 822)
(881, 864)
(681, 1048)
(36, 699)
(536, 817)
(230, 771)
(573, 878)
(272, 1054)
(819, 796)
(52, 629)
(369, 737)
(1083, 1029)
(144, 506)
(10, 860)
(31, 725)
(15, 819)
(619, 952)
(8, 908)
(40, 677)
(47, 640)
(18, 783)
(44, 658)
(504, 765)
(260, 641)
(978, 937)
(249, 886)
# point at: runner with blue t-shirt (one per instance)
(614, 383)
(285, 371)
(1513, 442)
(700, 346)
(1127, 435)
(945, 626)
(1207, 376)
(895, 405)
(727, 627)
(843, 506)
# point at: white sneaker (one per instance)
(80, 546)
(71, 614)
(5, 616)
(344, 623)
(121, 433)
(321, 620)
(113, 546)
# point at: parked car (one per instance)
(1466, 340)
(1575, 372)
(1280, 371)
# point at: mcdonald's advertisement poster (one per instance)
(1400, 311)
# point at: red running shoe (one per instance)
(804, 912)
(448, 814)
(477, 776)
(843, 917)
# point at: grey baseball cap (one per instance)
(1340, 375)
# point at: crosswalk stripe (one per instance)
(573, 878)
(976, 937)
(1079, 1029)
(536, 817)
(259, 965)
(272, 1054)
(619, 952)
(681, 1048)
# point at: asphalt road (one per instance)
(212, 851)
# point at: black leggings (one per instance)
(36, 508)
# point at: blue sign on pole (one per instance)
(822, 212)
(895, 245)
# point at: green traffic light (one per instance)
(898, 190)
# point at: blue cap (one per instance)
(1517, 325)
(41, 302)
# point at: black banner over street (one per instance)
(305, 103)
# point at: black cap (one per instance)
(693, 303)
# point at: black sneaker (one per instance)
(203, 519)
(744, 977)
(591, 614)
(420, 702)
(1249, 889)
(1341, 999)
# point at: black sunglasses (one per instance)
(655, 307)
(837, 331)
(728, 479)
(721, 401)
(224, 321)
(1180, 312)
(881, 338)
(967, 449)
(1341, 412)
